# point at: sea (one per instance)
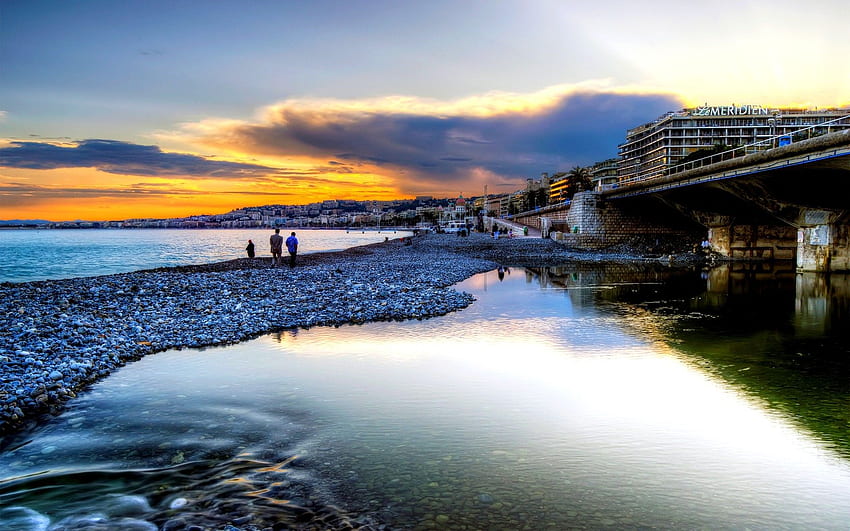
(50, 254)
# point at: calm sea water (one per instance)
(563, 398)
(29, 255)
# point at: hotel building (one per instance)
(651, 148)
(605, 173)
(560, 188)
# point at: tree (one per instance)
(580, 179)
(538, 198)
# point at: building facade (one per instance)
(605, 173)
(494, 203)
(455, 211)
(651, 148)
(560, 188)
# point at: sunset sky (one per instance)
(123, 109)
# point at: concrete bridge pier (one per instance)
(823, 243)
(753, 241)
(817, 240)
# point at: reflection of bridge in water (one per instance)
(820, 303)
(784, 203)
(781, 337)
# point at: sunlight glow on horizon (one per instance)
(103, 199)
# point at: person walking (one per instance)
(250, 249)
(292, 247)
(276, 242)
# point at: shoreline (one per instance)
(58, 337)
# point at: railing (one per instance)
(539, 210)
(740, 151)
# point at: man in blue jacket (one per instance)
(292, 247)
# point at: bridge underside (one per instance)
(799, 212)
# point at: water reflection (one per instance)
(564, 397)
(780, 337)
(822, 305)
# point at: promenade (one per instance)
(519, 230)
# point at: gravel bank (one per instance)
(57, 337)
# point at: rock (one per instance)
(485, 498)
(178, 503)
(121, 505)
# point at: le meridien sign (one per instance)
(731, 110)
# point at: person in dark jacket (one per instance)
(276, 244)
(250, 249)
(292, 247)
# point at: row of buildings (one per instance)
(652, 148)
(325, 214)
(649, 150)
(673, 140)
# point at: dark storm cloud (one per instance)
(418, 151)
(582, 128)
(122, 158)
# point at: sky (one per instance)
(152, 109)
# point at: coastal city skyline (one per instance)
(154, 110)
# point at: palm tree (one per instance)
(580, 178)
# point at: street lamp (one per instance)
(772, 123)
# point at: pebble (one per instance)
(178, 503)
(485, 498)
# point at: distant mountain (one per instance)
(17, 222)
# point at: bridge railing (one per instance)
(740, 151)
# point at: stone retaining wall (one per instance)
(593, 223)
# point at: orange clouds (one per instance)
(84, 193)
(424, 146)
(301, 151)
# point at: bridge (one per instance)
(757, 202)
